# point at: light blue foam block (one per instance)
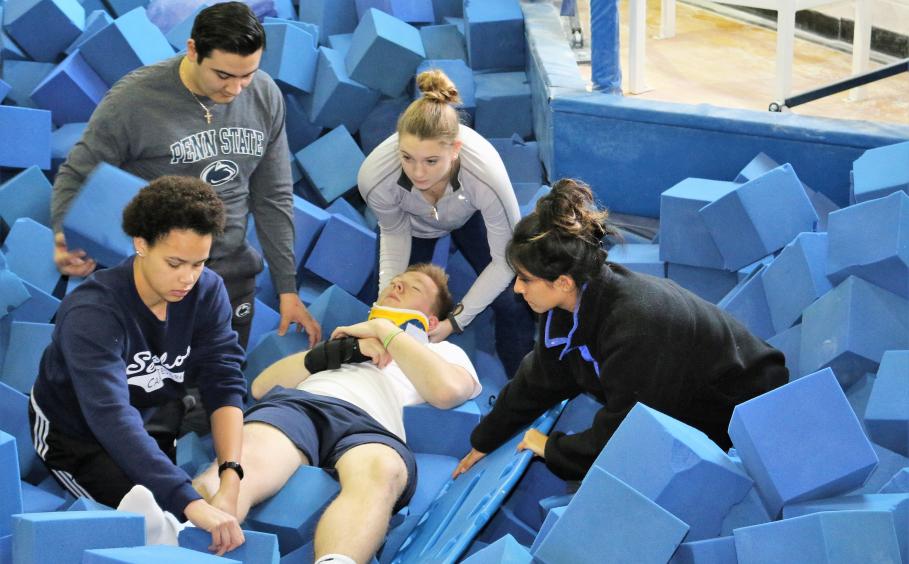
(335, 307)
(443, 42)
(331, 162)
(4, 90)
(178, 34)
(838, 537)
(796, 278)
(43, 28)
(381, 122)
(261, 548)
(684, 237)
(802, 441)
(344, 254)
(61, 537)
(14, 421)
(27, 342)
(342, 207)
(10, 488)
(22, 77)
(899, 483)
(672, 464)
(40, 307)
(521, 158)
(12, 292)
(463, 78)
(26, 195)
(410, 11)
(789, 342)
(29, 250)
(642, 258)
(311, 286)
(887, 412)
(291, 57)
(62, 141)
(711, 551)
(750, 511)
(552, 517)
(310, 28)
(422, 422)
(153, 554)
(881, 171)
(871, 240)
(301, 131)
(26, 138)
(709, 283)
(340, 42)
(503, 105)
(850, 327)
(337, 99)
(494, 31)
(384, 52)
(194, 453)
(264, 321)
(747, 302)
(308, 223)
(37, 499)
(71, 91)
(331, 16)
(506, 550)
(85, 504)
(759, 217)
(528, 193)
(93, 222)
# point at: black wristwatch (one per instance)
(454, 322)
(230, 464)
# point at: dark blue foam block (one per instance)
(40, 307)
(293, 512)
(789, 342)
(153, 554)
(850, 327)
(443, 42)
(462, 76)
(26, 195)
(332, 16)
(384, 52)
(342, 207)
(128, 43)
(709, 283)
(60, 537)
(194, 453)
(887, 412)
(684, 237)
(871, 241)
(466, 504)
(521, 158)
(506, 550)
(29, 250)
(899, 483)
(93, 220)
(411, 11)
(336, 307)
(422, 422)
(27, 342)
(311, 287)
(494, 31)
(747, 302)
(26, 141)
(257, 547)
(796, 278)
(308, 223)
(264, 321)
(503, 105)
(14, 420)
(9, 51)
(10, 488)
(802, 441)
(344, 253)
(503, 523)
(43, 28)
(331, 162)
(838, 537)
(71, 91)
(272, 348)
(301, 131)
(627, 526)
(62, 140)
(22, 77)
(291, 57)
(759, 217)
(881, 171)
(711, 551)
(85, 504)
(381, 122)
(337, 99)
(681, 463)
(12, 292)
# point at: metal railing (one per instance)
(841, 86)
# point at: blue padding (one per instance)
(649, 439)
(850, 327)
(310, 28)
(272, 348)
(411, 11)
(899, 483)
(552, 517)
(14, 420)
(838, 537)
(85, 504)
(796, 278)
(342, 207)
(858, 395)
(301, 130)
(178, 34)
(747, 302)
(789, 342)
(881, 171)
(626, 526)
(62, 141)
(384, 52)
(26, 195)
(494, 31)
(27, 342)
(10, 489)
(711, 551)
(344, 254)
(506, 550)
(802, 441)
(13, 292)
(466, 504)
(258, 548)
(264, 321)
(381, 122)
(36, 499)
(155, 554)
(709, 283)
(308, 223)
(331, 16)
(337, 99)
(521, 158)
(462, 76)
(43, 28)
(528, 193)
(291, 57)
(889, 463)
(340, 42)
(26, 138)
(194, 453)
(457, 21)
(684, 237)
(434, 471)
(443, 42)
(4, 90)
(22, 77)
(422, 423)
(29, 250)
(639, 258)
(750, 511)
(331, 162)
(503, 105)
(60, 537)
(871, 241)
(93, 222)
(311, 287)
(758, 166)
(39, 308)
(71, 91)
(887, 412)
(293, 512)
(128, 43)
(335, 307)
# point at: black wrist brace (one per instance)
(329, 355)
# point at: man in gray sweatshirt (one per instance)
(212, 114)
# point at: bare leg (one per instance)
(354, 524)
(269, 459)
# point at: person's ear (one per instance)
(565, 283)
(456, 148)
(433, 322)
(141, 246)
(191, 50)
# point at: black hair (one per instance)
(173, 202)
(231, 27)
(564, 235)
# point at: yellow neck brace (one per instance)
(399, 316)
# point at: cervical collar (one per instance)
(399, 316)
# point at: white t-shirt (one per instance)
(383, 393)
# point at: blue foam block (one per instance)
(331, 16)
(9, 51)
(12, 292)
(293, 512)
(29, 250)
(291, 57)
(43, 28)
(301, 131)
(26, 138)
(120, 7)
(85, 504)
(527, 194)
(336, 307)
(881, 171)
(14, 420)
(411, 11)
(747, 302)
(887, 412)
(759, 217)
(27, 342)
(503, 105)
(26, 195)
(850, 327)
(40, 307)
(443, 42)
(331, 162)
(310, 28)
(709, 283)
(311, 286)
(37, 499)
(337, 99)
(421, 423)
(381, 122)
(681, 464)
(342, 207)
(506, 550)
(456, 21)
(552, 517)
(264, 321)
(94, 217)
(71, 91)
(494, 31)
(711, 551)
(789, 342)
(261, 548)
(344, 254)
(178, 34)
(871, 240)
(60, 537)
(459, 73)
(4, 90)
(802, 441)
(22, 77)
(10, 488)
(272, 348)
(627, 526)
(128, 43)
(899, 483)
(750, 511)
(6, 548)
(796, 278)
(62, 141)
(308, 223)
(684, 237)
(340, 42)
(194, 453)
(521, 158)
(154, 554)
(384, 52)
(838, 537)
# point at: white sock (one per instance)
(161, 527)
(335, 559)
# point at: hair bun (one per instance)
(570, 210)
(437, 87)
